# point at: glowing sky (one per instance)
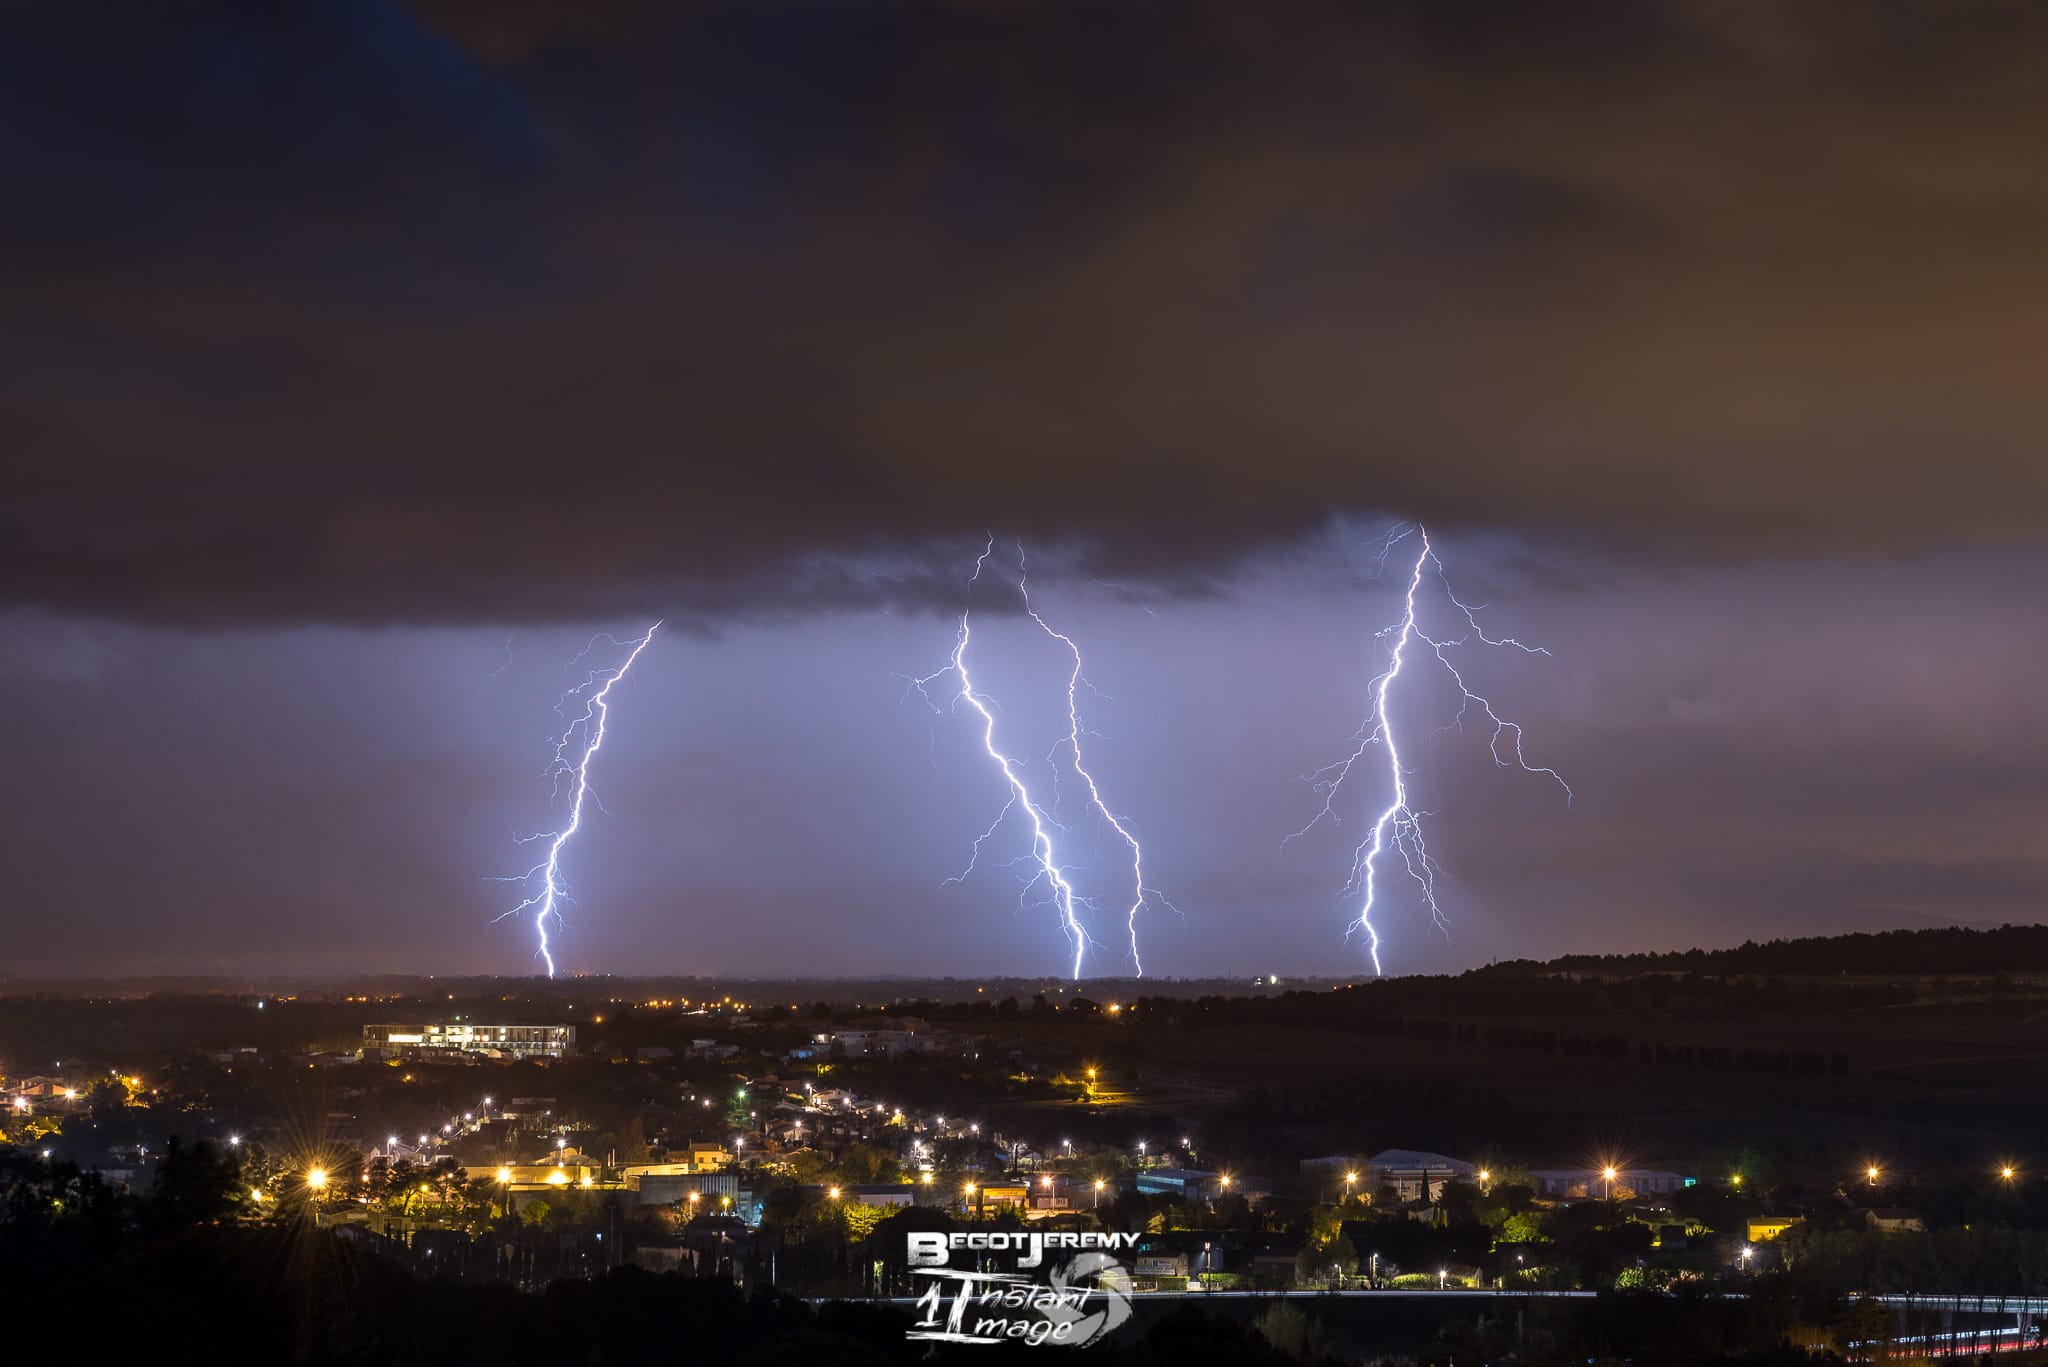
(346, 340)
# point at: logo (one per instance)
(1080, 1300)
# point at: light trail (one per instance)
(554, 892)
(1399, 825)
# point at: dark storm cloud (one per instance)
(468, 311)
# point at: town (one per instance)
(794, 1145)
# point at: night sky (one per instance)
(363, 359)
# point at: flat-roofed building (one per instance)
(504, 1041)
(664, 1184)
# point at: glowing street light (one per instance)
(1099, 1185)
(1870, 1174)
(317, 1178)
(2007, 1172)
(1607, 1175)
(834, 1193)
(1736, 1181)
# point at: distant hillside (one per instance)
(1946, 949)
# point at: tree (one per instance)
(195, 1185)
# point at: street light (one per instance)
(1736, 1181)
(1608, 1175)
(1350, 1181)
(2006, 1172)
(834, 1193)
(1870, 1173)
(316, 1178)
(1099, 1185)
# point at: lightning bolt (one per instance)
(1044, 855)
(589, 729)
(1399, 825)
(1140, 894)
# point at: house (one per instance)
(1893, 1219)
(1764, 1228)
(887, 1195)
(704, 1157)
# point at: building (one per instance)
(703, 1158)
(1160, 1264)
(1626, 1183)
(1416, 1175)
(498, 1041)
(1185, 1183)
(1893, 1219)
(664, 1184)
(1764, 1228)
(991, 1197)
